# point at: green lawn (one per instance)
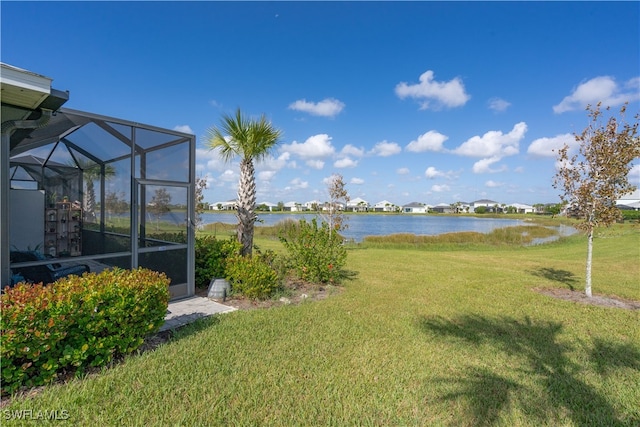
(421, 337)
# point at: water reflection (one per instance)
(360, 226)
(561, 231)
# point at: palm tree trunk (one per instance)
(246, 206)
(89, 201)
(587, 287)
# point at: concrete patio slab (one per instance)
(188, 310)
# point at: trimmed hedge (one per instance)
(77, 322)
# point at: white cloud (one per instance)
(316, 146)
(493, 184)
(277, 163)
(350, 150)
(548, 147)
(402, 171)
(448, 94)
(228, 176)
(432, 173)
(494, 143)
(385, 149)
(356, 181)
(328, 107)
(430, 141)
(315, 164)
(440, 188)
(209, 160)
(297, 184)
(484, 165)
(184, 129)
(266, 175)
(498, 104)
(599, 89)
(565, 164)
(346, 162)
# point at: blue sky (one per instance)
(434, 102)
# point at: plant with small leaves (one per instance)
(594, 178)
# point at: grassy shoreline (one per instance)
(454, 336)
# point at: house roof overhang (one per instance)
(23, 95)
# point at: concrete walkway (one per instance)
(188, 310)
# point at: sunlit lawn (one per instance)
(420, 337)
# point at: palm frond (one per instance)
(240, 136)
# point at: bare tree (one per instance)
(115, 203)
(201, 185)
(337, 195)
(597, 175)
(159, 204)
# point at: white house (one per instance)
(443, 208)
(229, 205)
(358, 205)
(414, 207)
(631, 200)
(269, 205)
(384, 206)
(522, 208)
(293, 207)
(484, 202)
(313, 205)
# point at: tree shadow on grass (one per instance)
(608, 356)
(562, 276)
(546, 362)
(487, 394)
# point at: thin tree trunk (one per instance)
(587, 287)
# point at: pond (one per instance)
(362, 225)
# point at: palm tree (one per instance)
(250, 140)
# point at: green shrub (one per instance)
(165, 236)
(252, 277)
(77, 322)
(211, 255)
(316, 252)
(629, 215)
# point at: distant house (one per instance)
(630, 201)
(269, 206)
(293, 207)
(384, 206)
(414, 207)
(443, 208)
(522, 208)
(313, 205)
(357, 205)
(229, 205)
(338, 205)
(489, 204)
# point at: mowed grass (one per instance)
(419, 337)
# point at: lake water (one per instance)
(363, 225)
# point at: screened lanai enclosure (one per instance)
(88, 192)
